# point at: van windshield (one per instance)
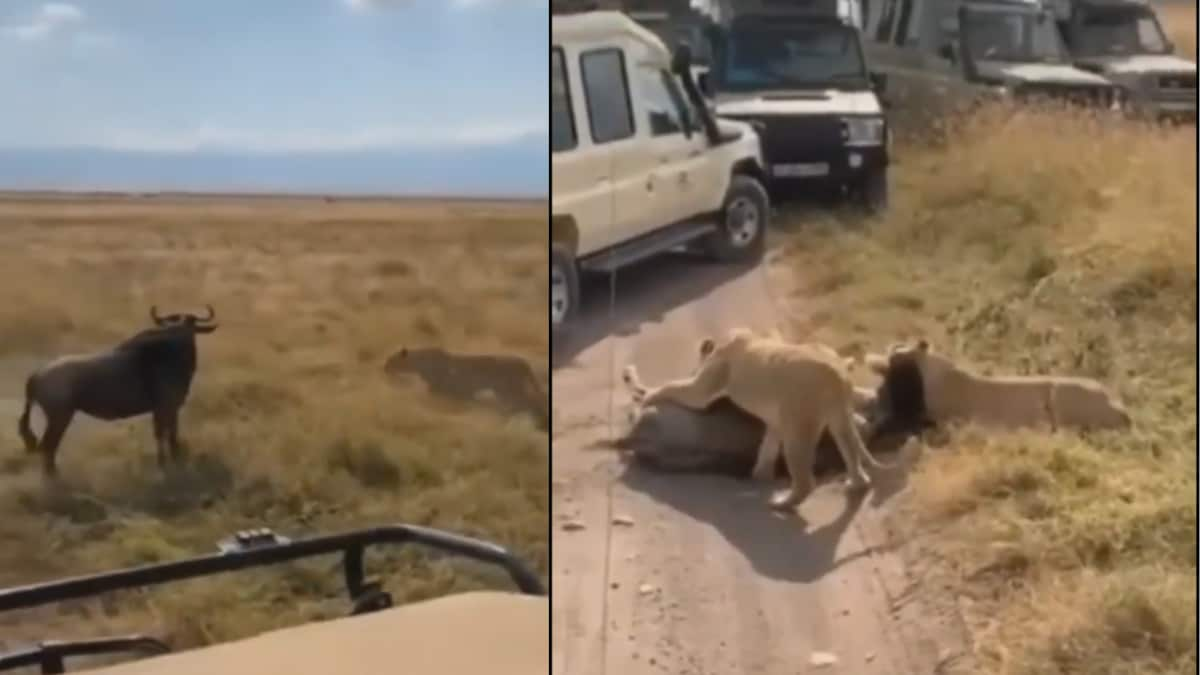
(1117, 32)
(790, 56)
(1006, 34)
(674, 32)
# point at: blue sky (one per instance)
(272, 76)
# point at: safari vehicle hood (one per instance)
(1040, 73)
(1141, 64)
(799, 102)
(479, 632)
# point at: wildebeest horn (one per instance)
(154, 314)
(211, 314)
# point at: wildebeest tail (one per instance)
(27, 435)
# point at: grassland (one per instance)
(291, 422)
(1048, 243)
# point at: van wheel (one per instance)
(871, 191)
(745, 215)
(564, 288)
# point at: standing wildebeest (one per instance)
(150, 372)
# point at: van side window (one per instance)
(562, 117)
(606, 87)
(665, 116)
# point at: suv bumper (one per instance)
(844, 165)
(804, 150)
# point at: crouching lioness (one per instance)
(954, 393)
(798, 391)
(723, 438)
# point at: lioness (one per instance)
(797, 391)
(507, 380)
(722, 436)
(954, 393)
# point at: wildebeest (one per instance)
(150, 372)
(724, 438)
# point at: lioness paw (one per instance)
(784, 500)
(630, 376)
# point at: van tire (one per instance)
(564, 288)
(743, 221)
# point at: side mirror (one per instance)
(703, 84)
(946, 51)
(879, 82)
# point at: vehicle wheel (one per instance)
(742, 236)
(564, 288)
(871, 193)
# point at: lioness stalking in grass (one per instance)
(508, 381)
(797, 391)
(954, 393)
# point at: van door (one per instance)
(634, 166)
(582, 183)
(674, 145)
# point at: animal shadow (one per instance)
(776, 545)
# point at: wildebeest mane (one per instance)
(901, 396)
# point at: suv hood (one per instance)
(1040, 73)
(1164, 64)
(799, 102)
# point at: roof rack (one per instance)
(246, 550)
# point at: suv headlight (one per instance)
(863, 131)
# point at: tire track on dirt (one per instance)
(694, 574)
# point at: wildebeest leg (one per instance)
(56, 426)
(173, 435)
(161, 426)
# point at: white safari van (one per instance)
(640, 164)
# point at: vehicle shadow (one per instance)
(645, 292)
(776, 545)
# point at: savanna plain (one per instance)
(291, 422)
(1041, 242)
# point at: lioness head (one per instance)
(415, 361)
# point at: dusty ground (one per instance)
(694, 574)
(291, 422)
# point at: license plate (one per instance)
(800, 170)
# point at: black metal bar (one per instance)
(81, 587)
(49, 656)
(352, 569)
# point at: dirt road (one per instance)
(694, 574)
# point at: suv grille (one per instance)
(808, 138)
(1177, 83)
(1075, 95)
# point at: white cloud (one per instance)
(371, 5)
(379, 138)
(52, 18)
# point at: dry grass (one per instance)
(291, 423)
(1046, 243)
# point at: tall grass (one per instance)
(291, 423)
(1044, 242)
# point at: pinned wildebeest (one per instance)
(150, 372)
(725, 439)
